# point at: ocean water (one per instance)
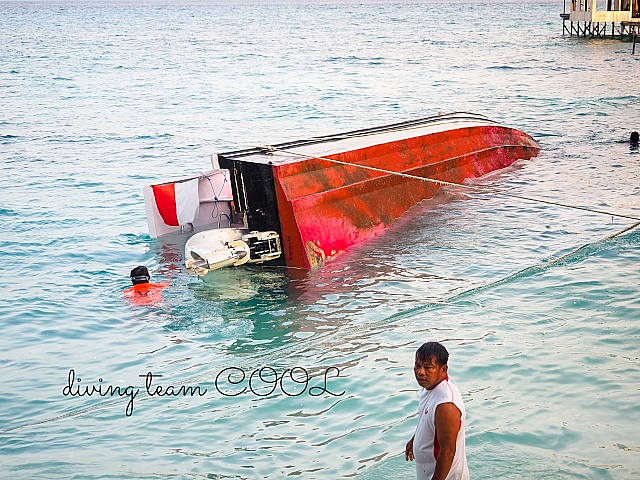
(538, 304)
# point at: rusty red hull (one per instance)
(325, 207)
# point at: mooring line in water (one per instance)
(528, 271)
(484, 190)
(398, 317)
(625, 230)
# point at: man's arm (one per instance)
(408, 451)
(447, 426)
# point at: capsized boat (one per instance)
(322, 195)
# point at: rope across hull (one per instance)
(328, 202)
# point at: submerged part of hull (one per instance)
(324, 207)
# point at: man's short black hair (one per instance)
(139, 275)
(433, 350)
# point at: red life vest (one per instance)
(145, 293)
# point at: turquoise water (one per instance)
(98, 100)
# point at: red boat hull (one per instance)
(325, 207)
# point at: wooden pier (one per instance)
(601, 18)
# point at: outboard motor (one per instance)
(263, 246)
(224, 247)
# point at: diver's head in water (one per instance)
(140, 275)
(635, 138)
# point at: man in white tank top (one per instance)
(438, 444)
